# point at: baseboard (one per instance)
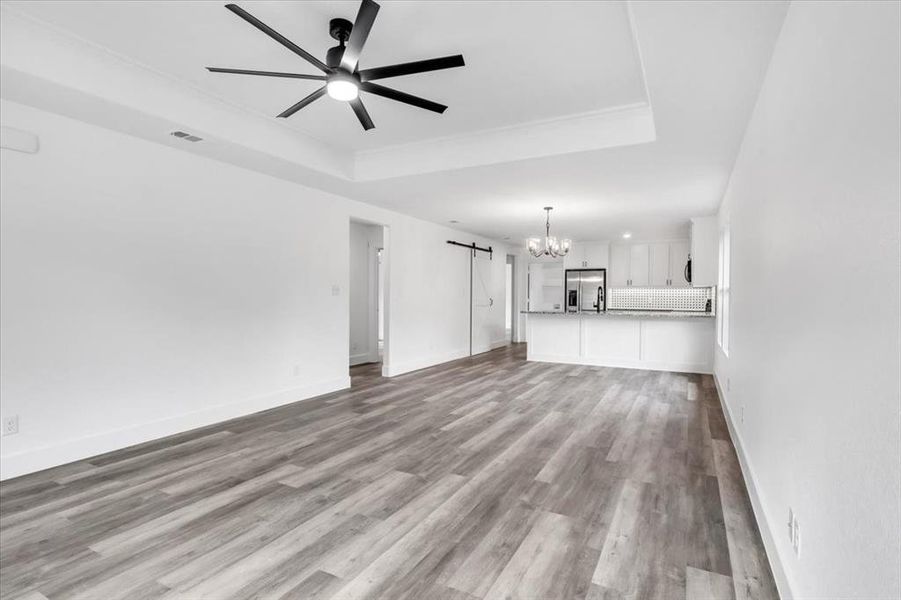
(703, 369)
(30, 461)
(763, 524)
(395, 369)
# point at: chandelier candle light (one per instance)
(552, 247)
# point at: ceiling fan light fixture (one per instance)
(342, 88)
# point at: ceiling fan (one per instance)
(343, 80)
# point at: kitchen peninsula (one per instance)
(656, 340)
(642, 305)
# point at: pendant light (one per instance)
(552, 247)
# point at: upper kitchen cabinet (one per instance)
(639, 264)
(588, 255)
(678, 260)
(629, 265)
(655, 264)
(668, 261)
(704, 254)
(660, 264)
(663, 263)
(618, 273)
(575, 258)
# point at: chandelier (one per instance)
(552, 247)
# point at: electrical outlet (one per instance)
(728, 384)
(11, 425)
(742, 415)
(336, 290)
(295, 371)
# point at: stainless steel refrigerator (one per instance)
(586, 290)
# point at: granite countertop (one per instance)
(629, 313)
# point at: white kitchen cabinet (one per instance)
(659, 268)
(655, 264)
(704, 251)
(618, 273)
(597, 255)
(576, 256)
(587, 255)
(639, 264)
(678, 256)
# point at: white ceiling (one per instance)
(704, 62)
(701, 62)
(519, 56)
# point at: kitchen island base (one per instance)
(657, 342)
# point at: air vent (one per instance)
(186, 136)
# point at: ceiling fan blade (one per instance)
(358, 34)
(419, 66)
(362, 114)
(380, 90)
(278, 37)
(266, 73)
(308, 100)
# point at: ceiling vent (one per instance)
(186, 136)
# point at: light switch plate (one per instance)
(11, 425)
(791, 526)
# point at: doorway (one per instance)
(380, 304)
(367, 343)
(510, 316)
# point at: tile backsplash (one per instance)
(692, 299)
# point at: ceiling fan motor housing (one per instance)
(340, 30)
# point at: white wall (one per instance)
(365, 240)
(146, 291)
(813, 206)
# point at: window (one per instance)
(724, 290)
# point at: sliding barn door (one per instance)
(486, 305)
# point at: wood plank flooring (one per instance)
(488, 477)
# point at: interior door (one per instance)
(659, 267)
(485, 302)
(639, 271)
(618, 274)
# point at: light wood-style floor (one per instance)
(488, 477)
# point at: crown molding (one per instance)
(608, 128)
